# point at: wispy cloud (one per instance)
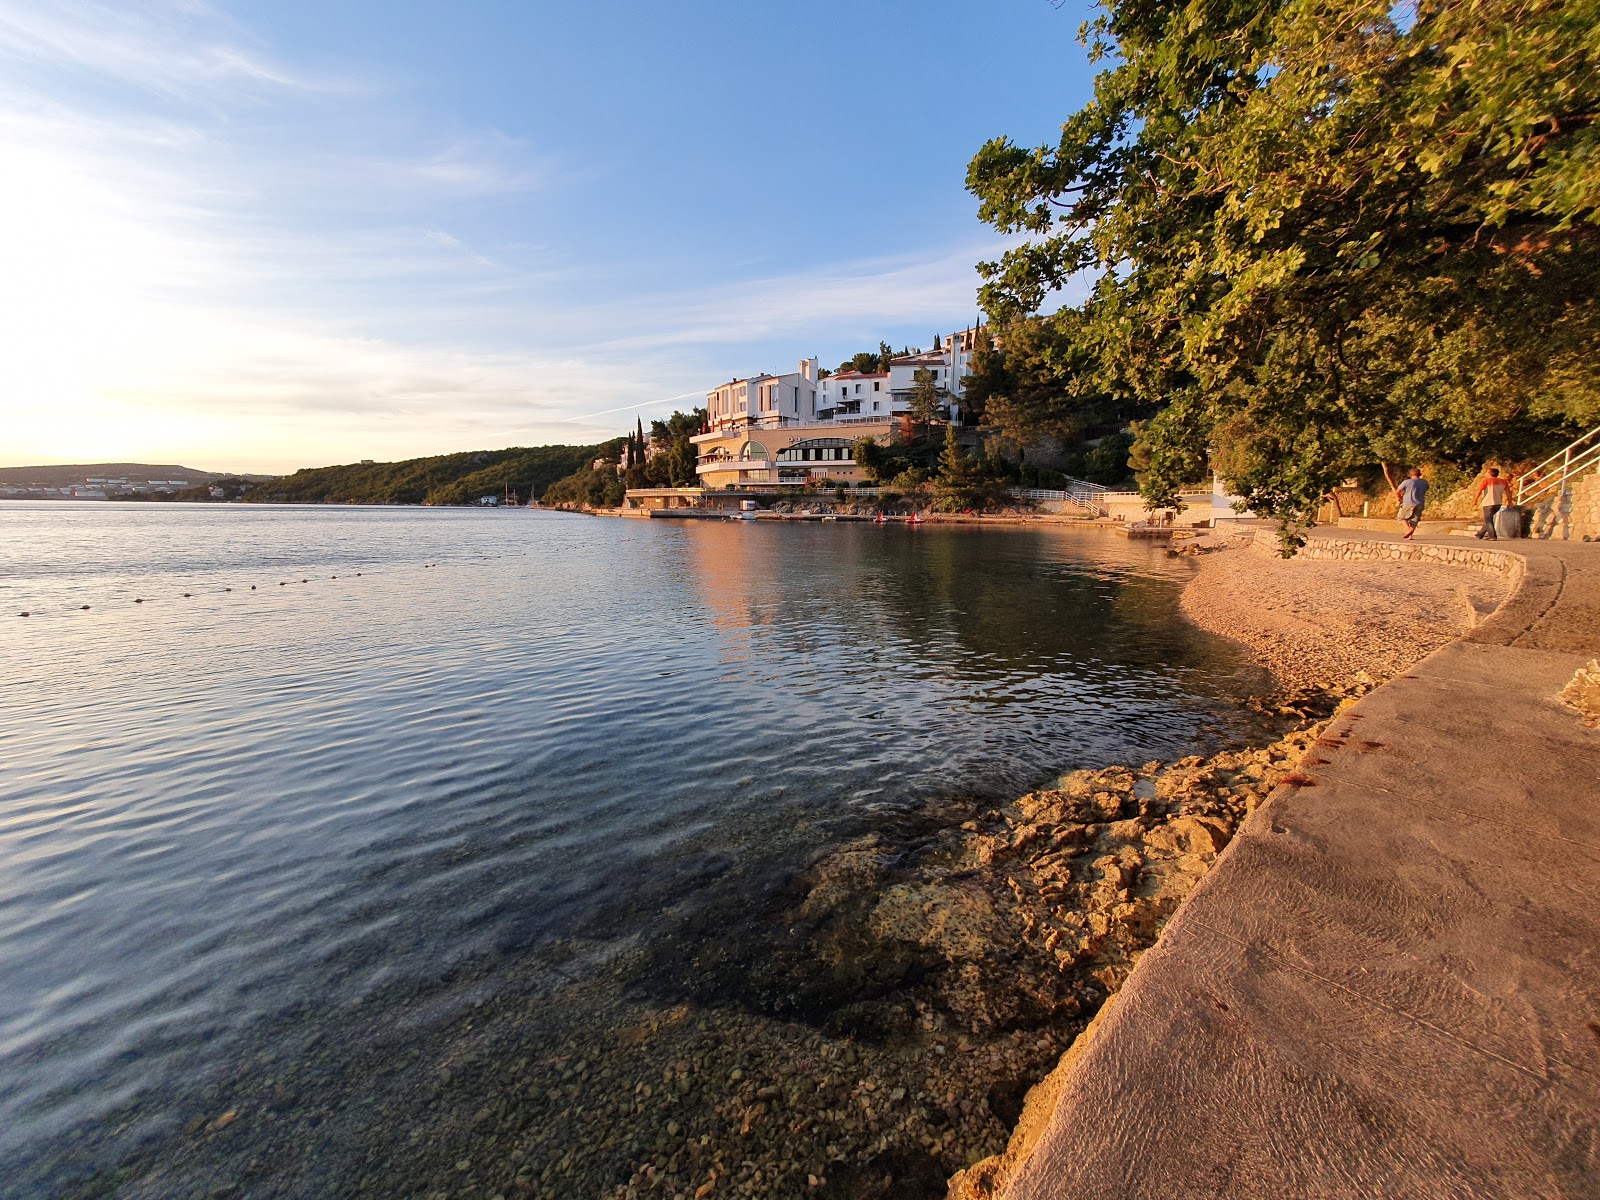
(160, 46)
(181, 280)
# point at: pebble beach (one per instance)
(1320, 623)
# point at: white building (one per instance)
(765, 400)
(801, 427)
(851, 396)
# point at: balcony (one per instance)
(707, 466)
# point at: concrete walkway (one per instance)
(1389, 986)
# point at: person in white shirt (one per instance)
(1493, 495)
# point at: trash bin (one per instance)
(1508, 522)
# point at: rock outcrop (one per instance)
(1094, 868)
(1583, 693)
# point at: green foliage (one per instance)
(586, 488)
(954, 465)
(1320, 236)
(964, 483)
(883, 462)
(871, 458)
(443, 479)
(928, 399)
(674, 466)
(1043, 383)
(1105, 463)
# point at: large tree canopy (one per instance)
(1322, 233)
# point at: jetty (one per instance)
(1389, 984)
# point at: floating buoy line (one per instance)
(30, 612)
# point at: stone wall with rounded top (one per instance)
(1476, 556)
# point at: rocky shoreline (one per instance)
(931, 971)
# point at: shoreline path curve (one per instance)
(1389, 984)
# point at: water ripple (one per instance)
(225, 813)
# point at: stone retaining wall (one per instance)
(1507, 565)
(1586, 508)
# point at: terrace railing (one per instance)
(1552, 477)
(1088, 500)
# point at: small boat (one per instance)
(914, 519)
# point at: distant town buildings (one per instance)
(59, 483)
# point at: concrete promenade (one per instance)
(1389, 985)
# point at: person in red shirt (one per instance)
(1494, 494)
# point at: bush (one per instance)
(587, 488)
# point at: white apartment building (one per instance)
(765, 400)
(851, 396)
(848, 397)
(795, 427)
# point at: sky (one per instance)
(258, 236)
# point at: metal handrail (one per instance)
(1574, 460)
(1085, 501)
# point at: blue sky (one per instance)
(259, 236)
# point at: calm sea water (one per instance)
(396, 757)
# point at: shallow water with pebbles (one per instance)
(376, 852)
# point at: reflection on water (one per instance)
(345, 780)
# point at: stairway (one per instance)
(1553, 477)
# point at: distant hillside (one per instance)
(58, 475)
(443, 479)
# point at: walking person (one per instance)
(1413, 493)
(1493, 495)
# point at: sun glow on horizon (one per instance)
(232, 240)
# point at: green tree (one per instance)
(927, 397)
(873, 459)
(987, 377)
(674, 466)
(1320, 231)
(885, 356)
(1044, 386)
(954, 465)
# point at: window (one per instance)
(858, 389)
(876, 386)
(817, 450)
(874, 406)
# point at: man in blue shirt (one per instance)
(1413, 490)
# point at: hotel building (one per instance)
(787, 430)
